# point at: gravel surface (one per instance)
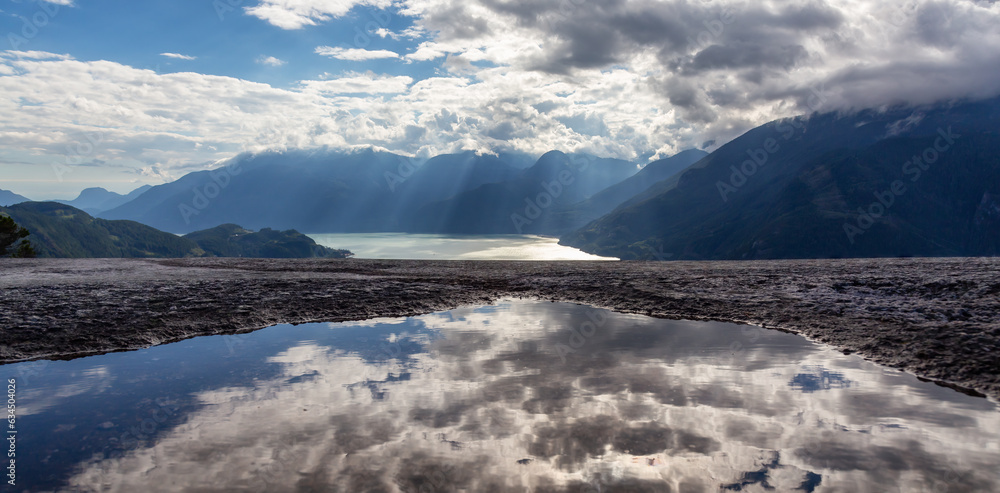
(937, 318)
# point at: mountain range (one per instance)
(890, 182)
(372, 191)
(59, 230)
(895, 181)
(91, 200)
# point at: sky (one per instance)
(121, 94)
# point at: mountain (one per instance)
(447, 175)
(898, 182)
(578, 214)
(10, 198)
(96, 200)
(364, 191)
(318, 191)
(230, 240)
(59, 230)
(526, 203)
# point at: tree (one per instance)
(12, 239)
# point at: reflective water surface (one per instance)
(452, 247)
(522, 396)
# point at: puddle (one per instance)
(521, 396)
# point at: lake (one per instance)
(452, 247)
(515, 397)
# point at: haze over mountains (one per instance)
(10, 198)
(901, 182)
(888, 182)
(96, 200)
(91, 200)
(370, 191)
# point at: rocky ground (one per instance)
(938, 318)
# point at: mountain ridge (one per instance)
(62, 231)
(793, 187)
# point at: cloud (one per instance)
(270, 61)
(178, 56)
(354, 83)
(296, 14)
(628, 79)
(34, 55)
(635, 398)
(426, 52)
(354, 54)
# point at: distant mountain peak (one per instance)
(10, 198)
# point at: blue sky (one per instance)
(120, 94)
(222, 39)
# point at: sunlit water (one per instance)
(452, 247)
(522, 396)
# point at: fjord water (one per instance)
(520, 396)
(452, 247)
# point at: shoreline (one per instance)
(934, 317)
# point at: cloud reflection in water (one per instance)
(508, 398)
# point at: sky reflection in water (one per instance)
(523, 396)
(453, 247)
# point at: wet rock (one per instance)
(906, 313)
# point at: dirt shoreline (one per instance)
(937, 318)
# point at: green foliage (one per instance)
(230, 240)
(63, 231)
(12, 239)
(60, 230)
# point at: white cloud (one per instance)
(425, 52)
(178, 56)
(624, 79)
(34, 55)
(368, 83)
(354, 54)
(296, 14)
(343, 435)
(270, 60)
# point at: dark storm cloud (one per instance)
(600, 34)
(585, 45)
(741, 56)
(720, 56)
(805, 17)
(457, 23)
(688, 99)
(916, 82)
(936, 24)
